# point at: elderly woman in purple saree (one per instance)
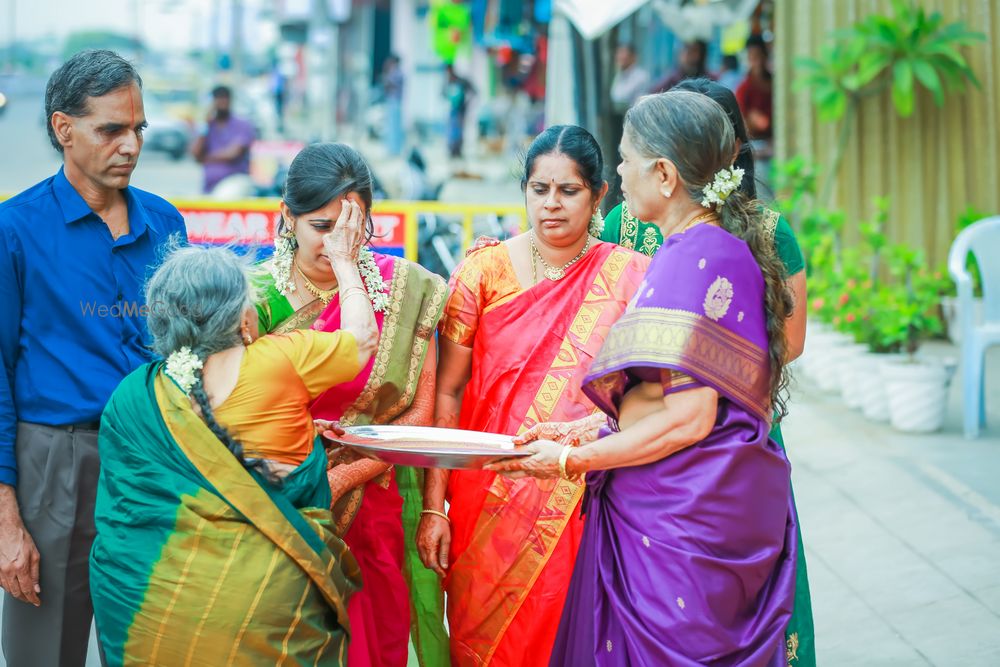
(689, 546)
(689, 559)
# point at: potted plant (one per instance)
(860, 274)
(871, 392)
(820, 236)
(917, 387)
(949, 303)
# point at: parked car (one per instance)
(164, 133)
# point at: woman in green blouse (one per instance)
(624, 229)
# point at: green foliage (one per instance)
(970, 215)
(904, 51)
(911, 301)
(794, 182)
(882, 294)
(908, 48)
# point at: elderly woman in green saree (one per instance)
(376, 508)
(215, 541)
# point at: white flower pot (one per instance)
(918, 393)
(816, 342)
(816, 357)
(951, 310)
(871, 392)
(816, 326)
(853, 362)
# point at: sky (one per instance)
(163, 24)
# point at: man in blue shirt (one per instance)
(75, 251)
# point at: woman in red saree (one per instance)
(524, 319)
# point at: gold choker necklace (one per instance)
(324, 295)
(553, 272)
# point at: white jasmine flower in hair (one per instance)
(726, 182)
(182, 367)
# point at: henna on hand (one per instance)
(421, 410)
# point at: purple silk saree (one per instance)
(689, 560)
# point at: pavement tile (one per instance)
(973, 570)
(990, 597)
(848, 631)
(954, 631)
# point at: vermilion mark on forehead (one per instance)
(131, 102)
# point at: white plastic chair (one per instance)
(982, 240)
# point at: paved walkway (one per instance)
(902, 533)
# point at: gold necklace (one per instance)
(324, 295)
(553, 272)
(702, 217)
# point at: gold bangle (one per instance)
(352, 290)
(562, 461)
(436, 513)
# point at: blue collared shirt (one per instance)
(72, 322)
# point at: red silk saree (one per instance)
(514, 542)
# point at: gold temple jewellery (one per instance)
(436, 513)
(324, 295)
(555, 272)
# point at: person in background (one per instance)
(74, 252)
(458, 91)
(279, 92)
(224, 146)
(730, 75)
(755, 96)
(392, 89)
(692, 65)
(630, 82)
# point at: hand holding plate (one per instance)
(542, 463)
